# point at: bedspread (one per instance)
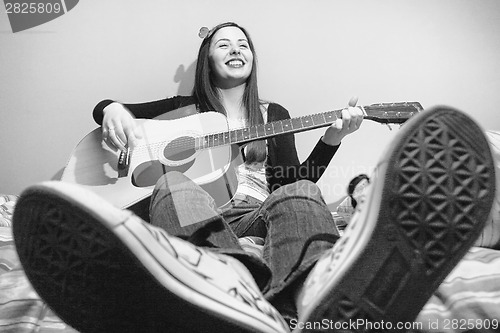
(468, 300)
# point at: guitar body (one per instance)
(166, 146)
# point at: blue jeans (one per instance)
(286, 219)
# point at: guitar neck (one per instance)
(395, 113)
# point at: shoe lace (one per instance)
(330, 238)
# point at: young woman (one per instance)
(226, 81)
(104, 270)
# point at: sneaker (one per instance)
(428, 201)
(102, 269)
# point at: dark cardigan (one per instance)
(283, 165)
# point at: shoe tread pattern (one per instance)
(439, 183)
(436, 194)
(65, 258)
(91, 282)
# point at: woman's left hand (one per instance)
(352, 117)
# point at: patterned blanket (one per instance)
(468, 300)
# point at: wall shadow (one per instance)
(185, 78)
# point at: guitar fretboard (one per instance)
(383, 113)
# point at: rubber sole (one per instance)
(428, 202)
(98, 279)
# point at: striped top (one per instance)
(251, 177)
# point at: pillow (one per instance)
(7, 203)
(468, 299)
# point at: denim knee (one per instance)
(173, 186)
(291, 196)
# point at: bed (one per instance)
(467, 301)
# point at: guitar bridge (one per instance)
(124, 163)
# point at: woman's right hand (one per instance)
(118, 127)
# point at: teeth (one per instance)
(235, 63)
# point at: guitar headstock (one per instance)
(392, 113)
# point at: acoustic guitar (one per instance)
(201, 146)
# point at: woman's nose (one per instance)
(235, 50)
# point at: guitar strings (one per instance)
(238, 135)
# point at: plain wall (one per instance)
(313, 56)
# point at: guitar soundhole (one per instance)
(147, 174)
(180, 149)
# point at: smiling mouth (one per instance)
(235, 63)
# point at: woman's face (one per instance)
(230, 57)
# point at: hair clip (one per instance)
(204, 31)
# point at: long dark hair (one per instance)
(208, 97)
